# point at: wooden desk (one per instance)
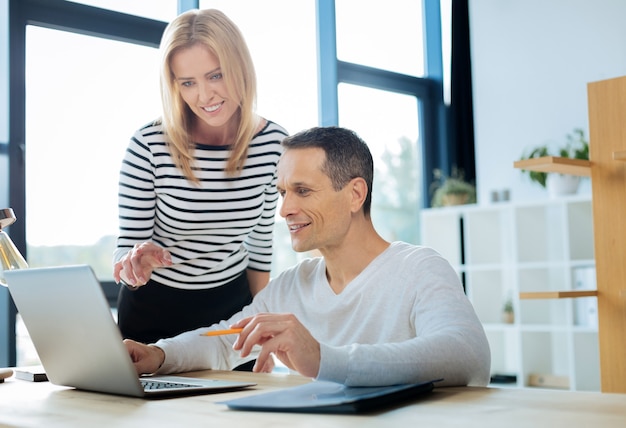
(28, 404)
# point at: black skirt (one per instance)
(156, 311)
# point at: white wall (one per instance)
(531, 62)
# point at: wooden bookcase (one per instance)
(532, 249)
(607, 168)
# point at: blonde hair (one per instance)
(214, 30)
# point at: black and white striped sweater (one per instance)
(215, 229)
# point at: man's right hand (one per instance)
(146, 358)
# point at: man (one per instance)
(368, 312)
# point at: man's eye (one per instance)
(303, 191)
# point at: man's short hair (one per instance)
(347, 156)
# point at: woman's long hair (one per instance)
(214, 30)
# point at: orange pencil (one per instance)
(221, 332)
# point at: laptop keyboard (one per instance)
(150, 385)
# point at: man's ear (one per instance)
(359, 193)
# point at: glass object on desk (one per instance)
(10, 257)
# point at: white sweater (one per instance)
(404, 319)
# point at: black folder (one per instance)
(330, 397)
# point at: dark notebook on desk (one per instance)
(77, 340)
(330, 397)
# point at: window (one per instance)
(382, 97)
(281, 37)
(393, 137)
(162, 10)
(82, 106)
(387, 35)
(80, 116)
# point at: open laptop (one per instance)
(78, 342)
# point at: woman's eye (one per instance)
(216, 76)
(186, 84)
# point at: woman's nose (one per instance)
(205, 93)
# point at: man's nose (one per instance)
(287, 206)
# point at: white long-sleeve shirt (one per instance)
(403, 319)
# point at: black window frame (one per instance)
(65, 16)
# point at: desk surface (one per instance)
(37, 404)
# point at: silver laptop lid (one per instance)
(78, 341)
(72, 328)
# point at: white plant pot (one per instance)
(562, 184)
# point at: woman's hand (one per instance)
(137, 265)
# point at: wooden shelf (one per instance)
(578, 167)
(558, 294)
(619, 155)
(607, 107)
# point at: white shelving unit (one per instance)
(503, 249)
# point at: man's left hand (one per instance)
(282, 335)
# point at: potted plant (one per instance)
(576, 147)
(452, 190)
(507, 312)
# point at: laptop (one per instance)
(78, 341)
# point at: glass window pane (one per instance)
(112, 87)
(386, 36)
(162, 10)
(388, 122)
(281, 37)
(85, 97)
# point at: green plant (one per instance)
(508, 307)
(507, 311)
(576, 147)
(452, 190)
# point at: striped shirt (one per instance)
(215, 229)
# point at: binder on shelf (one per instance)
(585, 309)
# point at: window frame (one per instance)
(64, 16)
(428, 90)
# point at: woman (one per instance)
(197, 193)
